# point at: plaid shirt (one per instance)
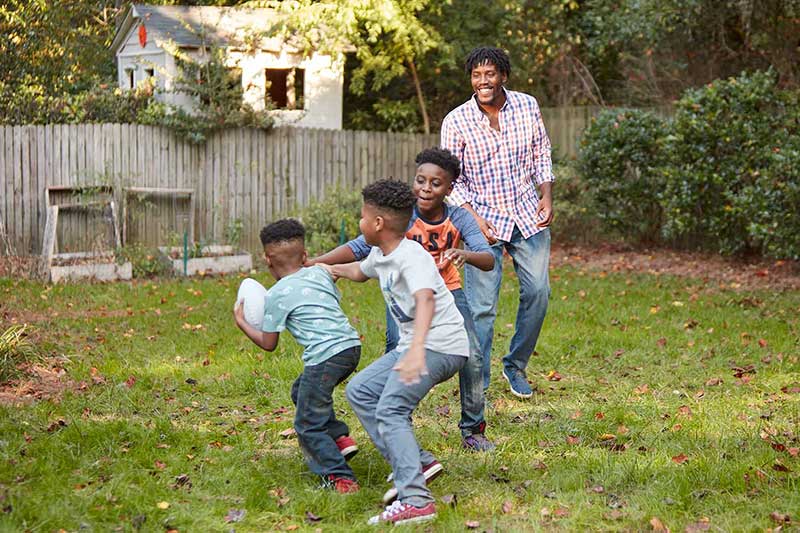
(498, 168)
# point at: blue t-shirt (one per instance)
(307, 304)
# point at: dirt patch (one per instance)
(731, 273)
(39, 382)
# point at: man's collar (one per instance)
(477, 108)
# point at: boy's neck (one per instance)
(282, 272)
(433, 213)
(390, 243)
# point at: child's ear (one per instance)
(266, 259)
(380, 222)
(305, 257)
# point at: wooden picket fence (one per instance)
(163, 186)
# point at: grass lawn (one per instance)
(663, 403)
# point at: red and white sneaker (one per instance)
(402, 513)
(343, 485)
(347, 446)
(431, 471)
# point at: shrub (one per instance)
(576, 219)
(146, 262)
(15, 349)
(323, 219)
(732, 172)
(621, 153)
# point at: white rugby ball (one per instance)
(252, 294)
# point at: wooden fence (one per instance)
(243, 175)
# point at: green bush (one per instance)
(323, 219)
(620, 160)
(723, 174)
(576, 219)
(733, 166)
(146, 262)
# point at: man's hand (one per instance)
(545, 208)
(412, 366)
(487, 228)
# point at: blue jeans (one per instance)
(531, 258)
(384, 406)
(315, 421)
(470, 385)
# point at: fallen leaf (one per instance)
(507, 507)
(553, 376)
(685, 411)
(449, 499)
(55, 426)
(576, 415)
(793, 451)
(641, 389)
(762, 343)
(292, 527)
(680, 459)
(235, 515)
(599, 416)
(704, 524)
(159, 465)
(597, 489)
(472, 524)
(312, 518)
(443, 411)
(657, 525)
(780, 517)
(560, 512)
(288, 433)
(713, 382)
(607, 436)
(615, 514)
(163, 505)
(573, 439)
(778, 467)
(661, 342)
(130, 382)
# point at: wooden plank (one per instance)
(49, 240)
(5, 203)
(265, 177)
(16, 152)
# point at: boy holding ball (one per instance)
(305, 301)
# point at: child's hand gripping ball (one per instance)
(252, 297)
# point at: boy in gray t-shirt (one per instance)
(306, 302)
(433, 344)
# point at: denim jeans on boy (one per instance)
(315, 421)
(531, 258)
(470, 384)
(384, 405)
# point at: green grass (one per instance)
(635, 354)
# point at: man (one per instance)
(501, 141)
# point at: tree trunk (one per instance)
(426, 121)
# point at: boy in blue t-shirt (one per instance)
(305, 301)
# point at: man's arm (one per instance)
(265, 340)
(412, 365)
(542, 167)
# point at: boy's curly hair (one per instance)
(286, 229)
(486, 54)
(394, 197)
(442, 158)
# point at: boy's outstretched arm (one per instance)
(265, 340)
(339, 255)
(351, 271)
(412, 365)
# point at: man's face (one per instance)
(487, 82)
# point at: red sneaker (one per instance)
(343, 485)
(402, 513)
(347, 446)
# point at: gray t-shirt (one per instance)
(406, 270)
(307, 304)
